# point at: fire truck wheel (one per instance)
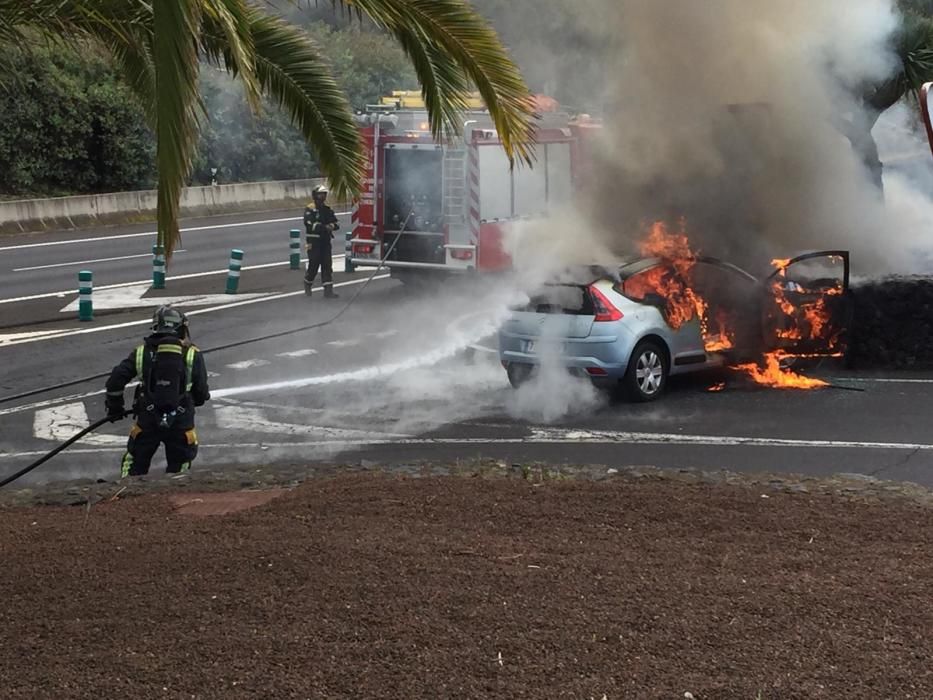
(518, 374)
(646, 376)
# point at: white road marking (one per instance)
(52, 402)
(153, 233)
(17, 339)
(132, 297)
(62, 422)
(191, 275)
(882, 380)
(343, 343)
(298, 353)
(87, 262)
(243, 419)
(383, 334)
(547, 437)
(246, 364)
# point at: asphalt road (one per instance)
(392, 379)
(33, 264)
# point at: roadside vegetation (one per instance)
(159, 49)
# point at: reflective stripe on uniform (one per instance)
(127, 465)
(140, 353)
(169, 348)
(189, 368)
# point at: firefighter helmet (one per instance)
(319, 192)
(168, 319)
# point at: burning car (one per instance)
(673, 312)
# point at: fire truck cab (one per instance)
(432, 205)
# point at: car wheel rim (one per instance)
(649, 373)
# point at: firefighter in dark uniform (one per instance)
(320, 224)
(172, 381)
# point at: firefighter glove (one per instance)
(116, 410)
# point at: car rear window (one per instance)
(638, 285)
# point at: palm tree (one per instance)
(157, 45)
(913, 47)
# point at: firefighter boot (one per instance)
(329, 292)
(308, 287)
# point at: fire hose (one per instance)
(68, 443)
(65, 445)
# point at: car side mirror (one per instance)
(655, 299)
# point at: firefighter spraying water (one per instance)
(172, 382)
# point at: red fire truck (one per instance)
(444, 206)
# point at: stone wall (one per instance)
(892, 324)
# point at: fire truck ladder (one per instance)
(455, 188)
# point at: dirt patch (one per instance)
(223, 503)
(378, 586)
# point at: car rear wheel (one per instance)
(518, 374)
(646, 376)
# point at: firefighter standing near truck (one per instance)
(320, 224)
(172, 382)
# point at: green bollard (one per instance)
(233, 272)
(294, 258)
(348, 253)
(158, 267)
(85, 287)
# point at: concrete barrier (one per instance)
(21, 215)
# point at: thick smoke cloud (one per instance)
(731, 115)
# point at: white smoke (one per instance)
(733, 115)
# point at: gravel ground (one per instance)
(488, 581)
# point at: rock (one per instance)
(857, 477)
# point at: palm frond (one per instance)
(231, 20)
(912, 45)
(132, 52)
(291, 70)
(450, 44)
(176, 28)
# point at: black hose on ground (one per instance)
(236, 344)
(65, 445)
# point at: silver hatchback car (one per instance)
(602, 323)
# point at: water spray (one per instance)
(460, 341)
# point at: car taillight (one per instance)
(604, 309)
(461, 254)
(363, 249)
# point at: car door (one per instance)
(808, 308)
(659, 289)
(732, 329)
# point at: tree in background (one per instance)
(367, 64)
(69, 126)
(244, 145)
(157, 45)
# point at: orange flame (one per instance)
(682, 302)
(781, 263)
(804, 320)
(717, 387)
(773, 375)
